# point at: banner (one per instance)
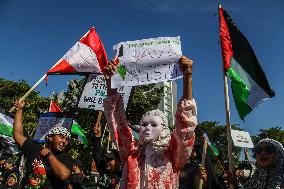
(50, 120)
(95, 92)
(241, 139)
(147, 61)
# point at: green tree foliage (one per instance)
(275, 133)
(144, 98)
(13, 90)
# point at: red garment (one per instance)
(158, 164)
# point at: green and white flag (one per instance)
(6, 135)
(6, 125)
(76, 129)
(212, 147)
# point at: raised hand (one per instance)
(110, 69)
(185, 65)
(19, 104)
(97, 130)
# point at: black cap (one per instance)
(113, 154)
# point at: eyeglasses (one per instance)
(268, 149)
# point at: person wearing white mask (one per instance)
(156, 159)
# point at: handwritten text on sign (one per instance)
(147, 61)
(50, 120)
(95, 92)
(241, 139)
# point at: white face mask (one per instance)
(150, 128)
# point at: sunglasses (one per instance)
(268, 149)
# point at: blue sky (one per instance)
(34, 34)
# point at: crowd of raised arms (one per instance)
(157, 159)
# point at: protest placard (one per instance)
(50, 120)
(241, 139)
(95, 92)
(147, 61)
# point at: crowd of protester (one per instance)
(265, 172)
(156, 159)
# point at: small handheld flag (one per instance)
(211, 146)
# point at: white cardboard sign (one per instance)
(95, 92)
(241, 139)
(147, 61)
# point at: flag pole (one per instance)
(203, 161)
(108, 141)
(103, 134)
(33, 87)
(27, 93)
(228, 125)
(247, 154)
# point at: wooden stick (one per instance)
(228, 126)
(203, 161)
(247, 154)
(103, 134)
(108, 140)
(31, 89)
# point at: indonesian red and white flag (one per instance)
(86, 56)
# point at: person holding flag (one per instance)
(156, 159)
(47, 166)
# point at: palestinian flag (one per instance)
(248, 81)
(86, 56)
(212, 147)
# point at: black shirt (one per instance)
(108, 179)
(38, 170)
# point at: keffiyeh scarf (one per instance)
(269, 178)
